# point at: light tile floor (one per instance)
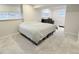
(58, 43)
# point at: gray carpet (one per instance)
(58, 43)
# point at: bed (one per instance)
(36, 32)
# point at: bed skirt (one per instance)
(39, 42)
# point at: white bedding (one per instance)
(36, 31)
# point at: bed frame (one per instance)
(39, 42)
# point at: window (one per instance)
(10, 14)
(46, 13)
(62, 13)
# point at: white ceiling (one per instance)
(46, 5)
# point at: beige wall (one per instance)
(78, 35)
(9, 7)
(59, 19)
(55, 10)
(30, 13)
(10, 26)
(72, 19)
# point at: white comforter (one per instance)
(36, 31)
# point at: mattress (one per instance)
(36, 31)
